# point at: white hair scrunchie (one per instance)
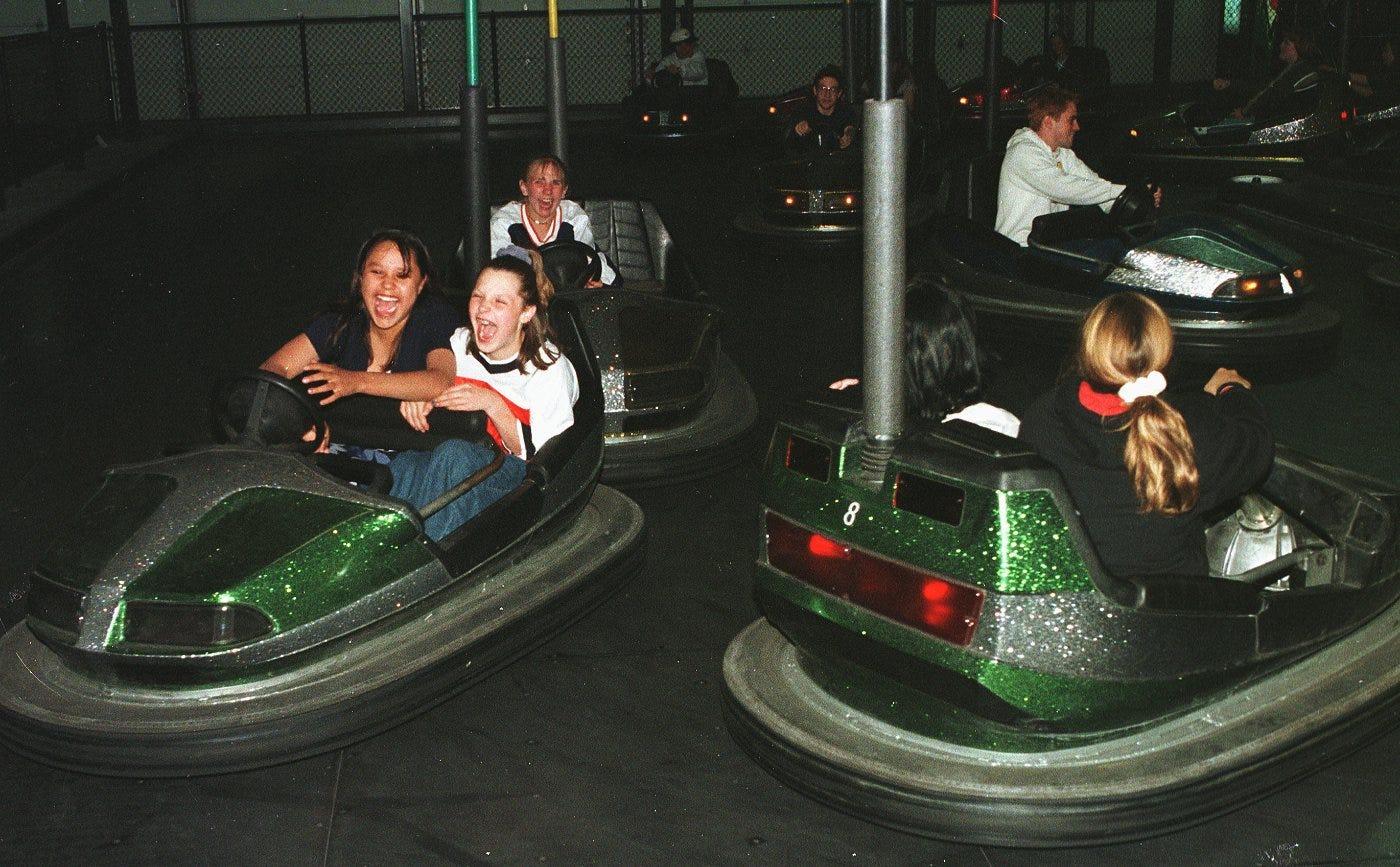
(1150, 385)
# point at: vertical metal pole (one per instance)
(886, 142)
(884, 48)
(126, 66)
(668, 19)
(992, 87)
(408, 58)
(848, 48)
(7, 150)
(61, 55)
(187, 54)
(1089, 23)
(305, 66)
(1344, 38)
(554, 88)
(1163, 25)
(688, 14)
(476, 232)
(635, 47)
(495, 60)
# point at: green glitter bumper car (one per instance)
(942, 652)
(244, 604)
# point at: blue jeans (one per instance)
(421, 477)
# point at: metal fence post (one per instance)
(305, 66)
(187, 55)
(495, 62)
(8, 175)
(408, 58)
(126, 66)
(60, 54)
(1162, 28)
(1089, 24)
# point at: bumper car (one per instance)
(816, 198)
(942, 652)
(683, 113)
(1356, 213)
(245, 603)
(1309, 125)
(674, 405)
(1234, 295)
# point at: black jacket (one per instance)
(1234, 450)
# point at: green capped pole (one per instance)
(477, 234)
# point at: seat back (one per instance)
(975, 189)
(723, 88)
(632, 236)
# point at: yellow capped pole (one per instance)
(554, 86)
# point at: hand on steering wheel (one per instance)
(572, 265)
(263, 410)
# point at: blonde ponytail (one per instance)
(1127, 336)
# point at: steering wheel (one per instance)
(264, 410)
(1134, 205)
(571, 265)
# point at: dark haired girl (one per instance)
(388, 337)
(942, 365)
(1143, 470)
(507, 366)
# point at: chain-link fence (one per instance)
(413, 65)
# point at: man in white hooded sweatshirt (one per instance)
(1041, 174)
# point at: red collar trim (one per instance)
(1100, 403)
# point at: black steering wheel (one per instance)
(264, 410)
(1134, 205)
(571, 265)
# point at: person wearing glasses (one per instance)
(826, 121)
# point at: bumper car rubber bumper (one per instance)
(74, 720)
(1184, 770)
(706, 443)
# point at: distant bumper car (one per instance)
(674, 405)
(943, 653)
(818, 198)
(245, 604)
(1234, 295)
(683, 113)
(1357, 213)
(1307, 126)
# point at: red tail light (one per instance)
(922, 600)
(1346, 115)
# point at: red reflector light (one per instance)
(906, 595)
(1346, 115)
(821, 546)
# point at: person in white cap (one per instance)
(685, 65)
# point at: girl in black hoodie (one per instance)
(1141, 470)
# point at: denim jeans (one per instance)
(421, 477)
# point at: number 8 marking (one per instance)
(849, 518)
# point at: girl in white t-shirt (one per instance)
(507, 367)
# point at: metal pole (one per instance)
(555, 94)
(886, 141)
(408, 58)
(187, 53)
(126, 66)
(848, 47)
(1344, 48)
(884, 48)
(992, 87)
(476, 232)
(305, 66)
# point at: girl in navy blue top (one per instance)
(389, 337)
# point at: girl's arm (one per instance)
(294, 357)
(335, 382)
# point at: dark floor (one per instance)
(606, 744)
